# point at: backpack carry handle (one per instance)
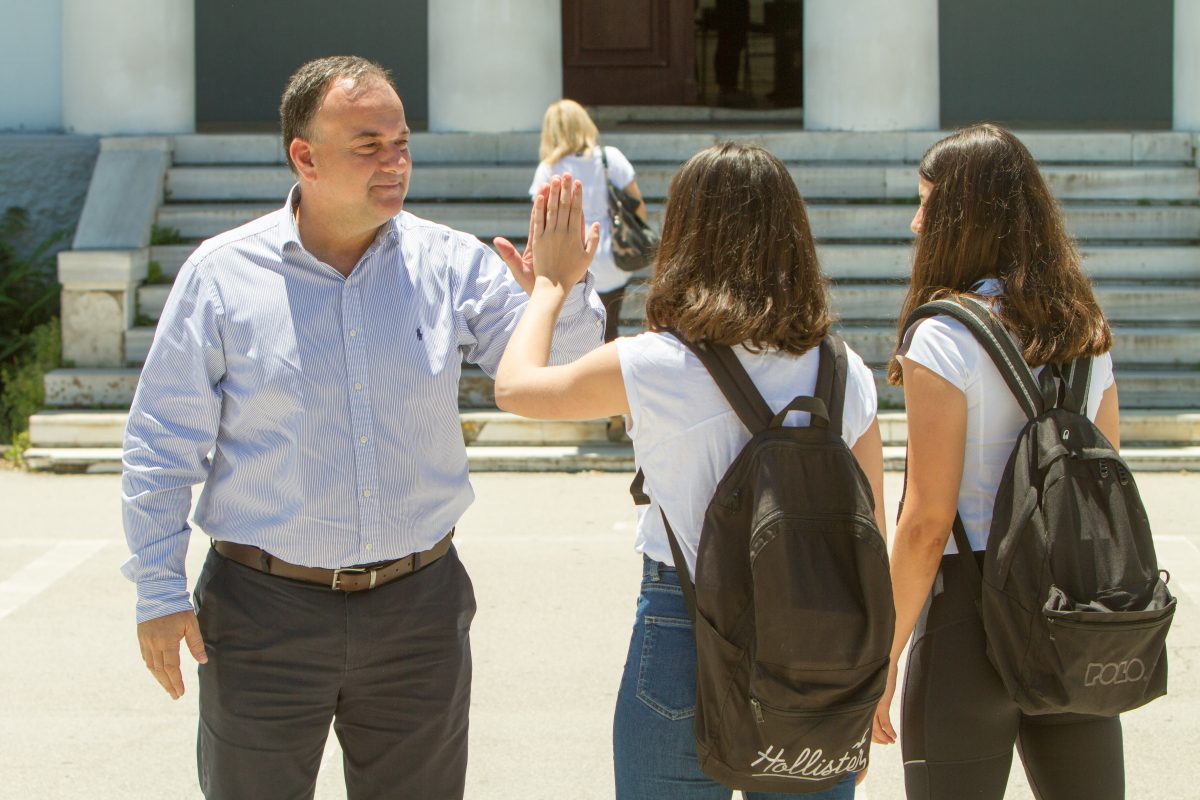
(815, 406)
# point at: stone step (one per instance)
(1121, 302)
(490, 427)
(500, 429)
(861, 262)
(1138, 347)
(113, 388)
(566, 458)
(1054, 147)
(511, 182)
(842, 221)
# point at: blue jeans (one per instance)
(654, 749)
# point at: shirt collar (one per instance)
(290, 232)
(988, 287)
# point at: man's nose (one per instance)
(395, 158)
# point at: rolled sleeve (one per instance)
(489, 303)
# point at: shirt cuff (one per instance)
(583, 296)
(160, 598)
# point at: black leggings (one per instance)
(959, 725)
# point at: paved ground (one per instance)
(556, 577)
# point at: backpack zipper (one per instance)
(1132, 624)
(757, 707)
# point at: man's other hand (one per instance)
(159, 639)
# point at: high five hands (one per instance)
(559, 248)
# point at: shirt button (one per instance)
(366, 492)
(362, 440)
(358, 387)
(368, 547)
(353, 333)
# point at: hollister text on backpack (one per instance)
(791, 599)
(1074, 608)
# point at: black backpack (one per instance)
(792, 598)
(1074, 610)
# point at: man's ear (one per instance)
(301, 153)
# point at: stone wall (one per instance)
(47, 174)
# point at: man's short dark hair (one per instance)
(306, 89)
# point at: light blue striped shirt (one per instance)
(319, 411)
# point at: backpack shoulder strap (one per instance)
(640, 498)
(832, 373)
(734, 382)
(1077, 380)
(996, 342)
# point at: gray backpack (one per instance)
(792, 597)
(1074, 609)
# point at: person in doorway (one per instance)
(736, 266)
(305, 370)
(987, 228)
(571, 144)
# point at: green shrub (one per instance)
(23, 389)
(30, 341)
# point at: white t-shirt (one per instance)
(994, 418)
(589, 169)
(685, 434)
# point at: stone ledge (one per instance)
(102, 270)
(599, 458)
(125, 192)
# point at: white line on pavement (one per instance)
(41, 573)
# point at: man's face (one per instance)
(360, 161)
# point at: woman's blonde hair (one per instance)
(566, 129)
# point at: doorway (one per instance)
(744, 54)
(749, 53)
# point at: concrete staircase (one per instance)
(1131, 199)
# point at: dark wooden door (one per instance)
(629, 52)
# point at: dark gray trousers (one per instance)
(391, 667)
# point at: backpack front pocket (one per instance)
(1107, 661)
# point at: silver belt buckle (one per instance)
(337, 575)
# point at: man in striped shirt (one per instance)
(305, 370)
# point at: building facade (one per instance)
(174, 66)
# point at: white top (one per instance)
(685, 434)
(994, 418)
(590, 170)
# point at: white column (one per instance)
(494, 65)
(871, 65)
(129, 66)
(1187, 65)
(31, 65)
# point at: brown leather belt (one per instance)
(345, 579)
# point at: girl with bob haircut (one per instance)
(736, 266)
(988, 228)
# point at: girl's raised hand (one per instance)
(562, 250)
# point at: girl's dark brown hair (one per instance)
(736, 264)
(990, 215)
